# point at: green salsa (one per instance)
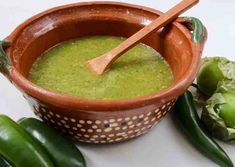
(62, 69)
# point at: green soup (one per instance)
(141, 71)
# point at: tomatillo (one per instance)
(219, 112)
(227, 110)
(212, 71)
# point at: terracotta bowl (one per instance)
(101, 121)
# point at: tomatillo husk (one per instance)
(219, 111)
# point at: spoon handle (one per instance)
(100, 64)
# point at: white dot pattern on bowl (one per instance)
(119, 119)
(114, 124)
(98, 122)
(107, 130)
(117, 128)
(90, 130)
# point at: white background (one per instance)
(165, 145)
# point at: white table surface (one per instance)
(164, 145)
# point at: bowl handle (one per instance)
(199, 32)
(4, 61)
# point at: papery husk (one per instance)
(214, 123)
(226, 66)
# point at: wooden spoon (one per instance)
(100, 64)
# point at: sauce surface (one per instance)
(141, 71)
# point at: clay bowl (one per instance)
(101, 121)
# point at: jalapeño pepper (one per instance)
(185, 112)
(62, 151)
(19, 148)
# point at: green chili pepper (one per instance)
(19, 148)
(62, 151)
(3, 162)
(186, 113)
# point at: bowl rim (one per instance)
(78, 103)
